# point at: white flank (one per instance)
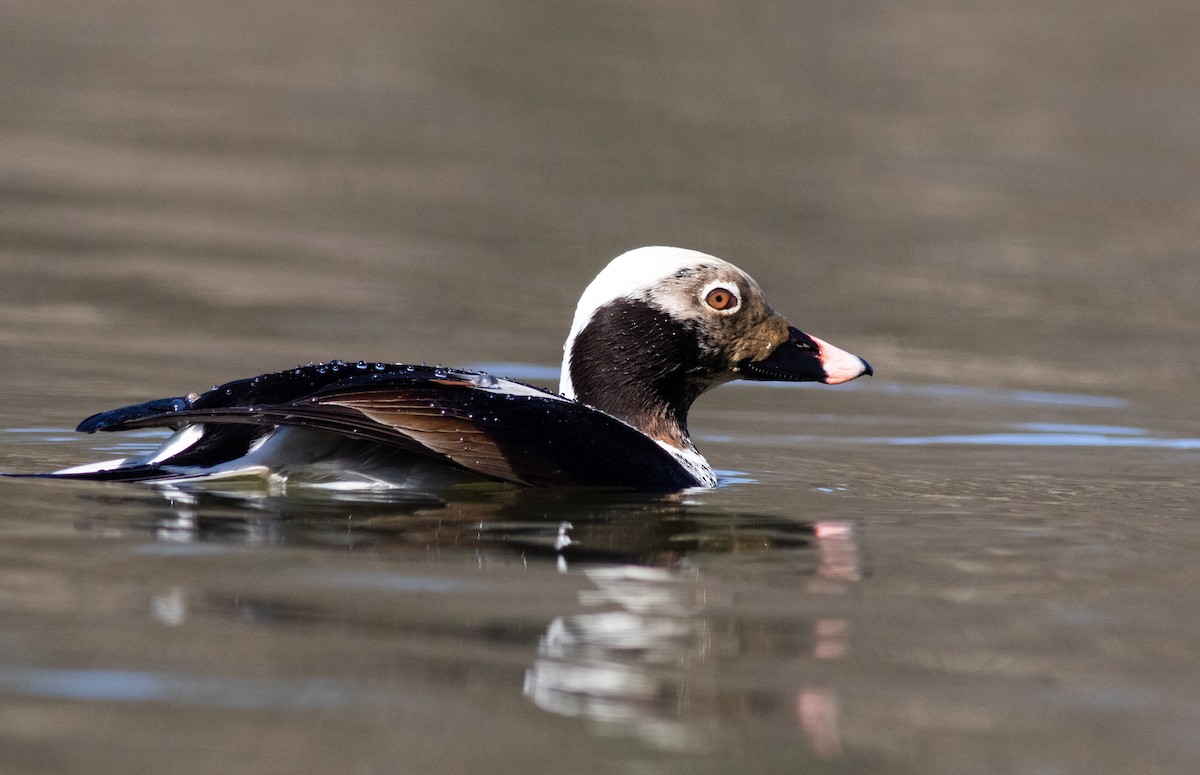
(694, 462)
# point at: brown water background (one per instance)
(981, 561)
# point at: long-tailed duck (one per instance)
(655, 329)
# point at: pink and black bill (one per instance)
(804, 358)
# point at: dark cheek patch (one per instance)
(637, 363)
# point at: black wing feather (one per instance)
(498, 428)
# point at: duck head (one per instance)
(660, 325)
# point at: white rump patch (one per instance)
(183, 439)
(177, 443)
(91, 468)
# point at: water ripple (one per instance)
(205, 690)
(1037, 440)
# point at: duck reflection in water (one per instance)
(646, 659)
(676, 600)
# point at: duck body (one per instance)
(658, 327)
(376, 424)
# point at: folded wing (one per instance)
(496, 428)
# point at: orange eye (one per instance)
(721, 299)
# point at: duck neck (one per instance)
(638, 364)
